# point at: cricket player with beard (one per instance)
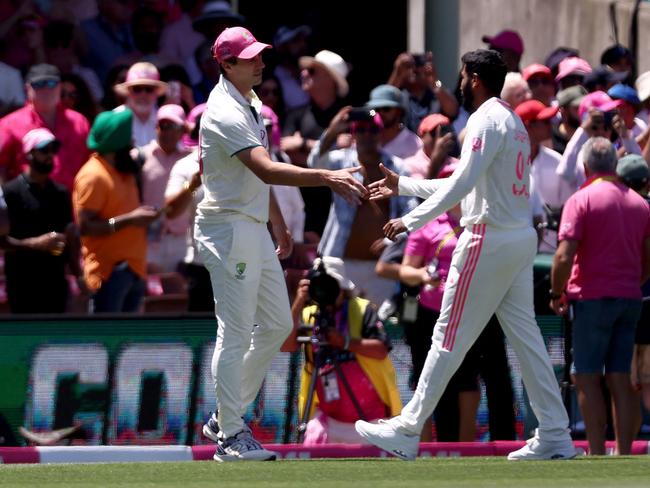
(491, 269)
(252, 305)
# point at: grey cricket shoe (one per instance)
(243, 447)
(386, 436)
(537, 450)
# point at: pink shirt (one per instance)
(425, 242)
(70, 127)
(610, 223)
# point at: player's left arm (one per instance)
(481, 145)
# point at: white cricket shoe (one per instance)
(242, 447)
(537, 449)
(386, 436)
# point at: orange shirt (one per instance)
(99, 187)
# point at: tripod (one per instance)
(324, 355)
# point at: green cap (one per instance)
(111, 131)
(633, 170)
(571, 96)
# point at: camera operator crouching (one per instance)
(343, 337)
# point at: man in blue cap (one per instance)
(628, 106)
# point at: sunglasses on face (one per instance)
(165, 125)
(39, 85)
(52, 148)
(142, 89)
(371, 129)
(534, 82)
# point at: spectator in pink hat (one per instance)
(44, 110)
(511, 46)
(166, 242)
(141, 89)
(540, 82)
(42, 240)
(438, 142)
(572, 71)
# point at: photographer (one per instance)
(351, 347)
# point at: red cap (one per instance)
(237, 42)
(536, 69)
(534, 110)
(430, 122)
(506, 39)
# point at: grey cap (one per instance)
(571, 96)
(633, 170)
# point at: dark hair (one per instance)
(175, 72)
(58, 33)
(488, 66)
(111, 100)
(613, 53)
(84, 103)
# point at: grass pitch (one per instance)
(340, 473)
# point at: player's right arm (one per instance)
(341, 181)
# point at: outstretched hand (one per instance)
(345, 184)
(393, 228)
(386, 187)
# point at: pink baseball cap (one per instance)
(572, 66)
(38, 139)
(598, 100)
(237, 42)
(172, 112)
(536, 69)
(430, 122)
(506, 39)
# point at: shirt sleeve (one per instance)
(231, 130)
(571, 227)
(482, 142)
(90, 193)
(177, 178)
(415, 187)
(568, 167)
(417, 244)
(373, 328)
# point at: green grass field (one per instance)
(348, 473)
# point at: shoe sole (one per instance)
(389, 449)
(555, 457)
(225, 458)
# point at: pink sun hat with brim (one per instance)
(237, 42)
(173, 113)
(598, 100)
(572, 66)
(38, 139)
(140, 74)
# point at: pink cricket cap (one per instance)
(599, 100)
(237, 42)
(430, 122)
(572, 66)
(37, 139)
(172, 112)
(536, 69)
(506, 39)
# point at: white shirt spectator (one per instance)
(404, 145)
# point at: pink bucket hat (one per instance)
(572, 66)
(141, 74)
(37, 139)
(172, 112)
(237, 42)
(599, 100)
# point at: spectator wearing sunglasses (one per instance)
(142, 89)
(354, 233)
(42, 239)
(540, 82)
(43, 110)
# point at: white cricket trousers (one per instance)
(491, 272)
(252, 309)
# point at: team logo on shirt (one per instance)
(477, 144)
(240, 269)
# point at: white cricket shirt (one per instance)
(230, 124)
(492, 179)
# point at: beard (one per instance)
(125, 163)
(468, 98)
(43, 167)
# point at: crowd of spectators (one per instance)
(101, 104)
